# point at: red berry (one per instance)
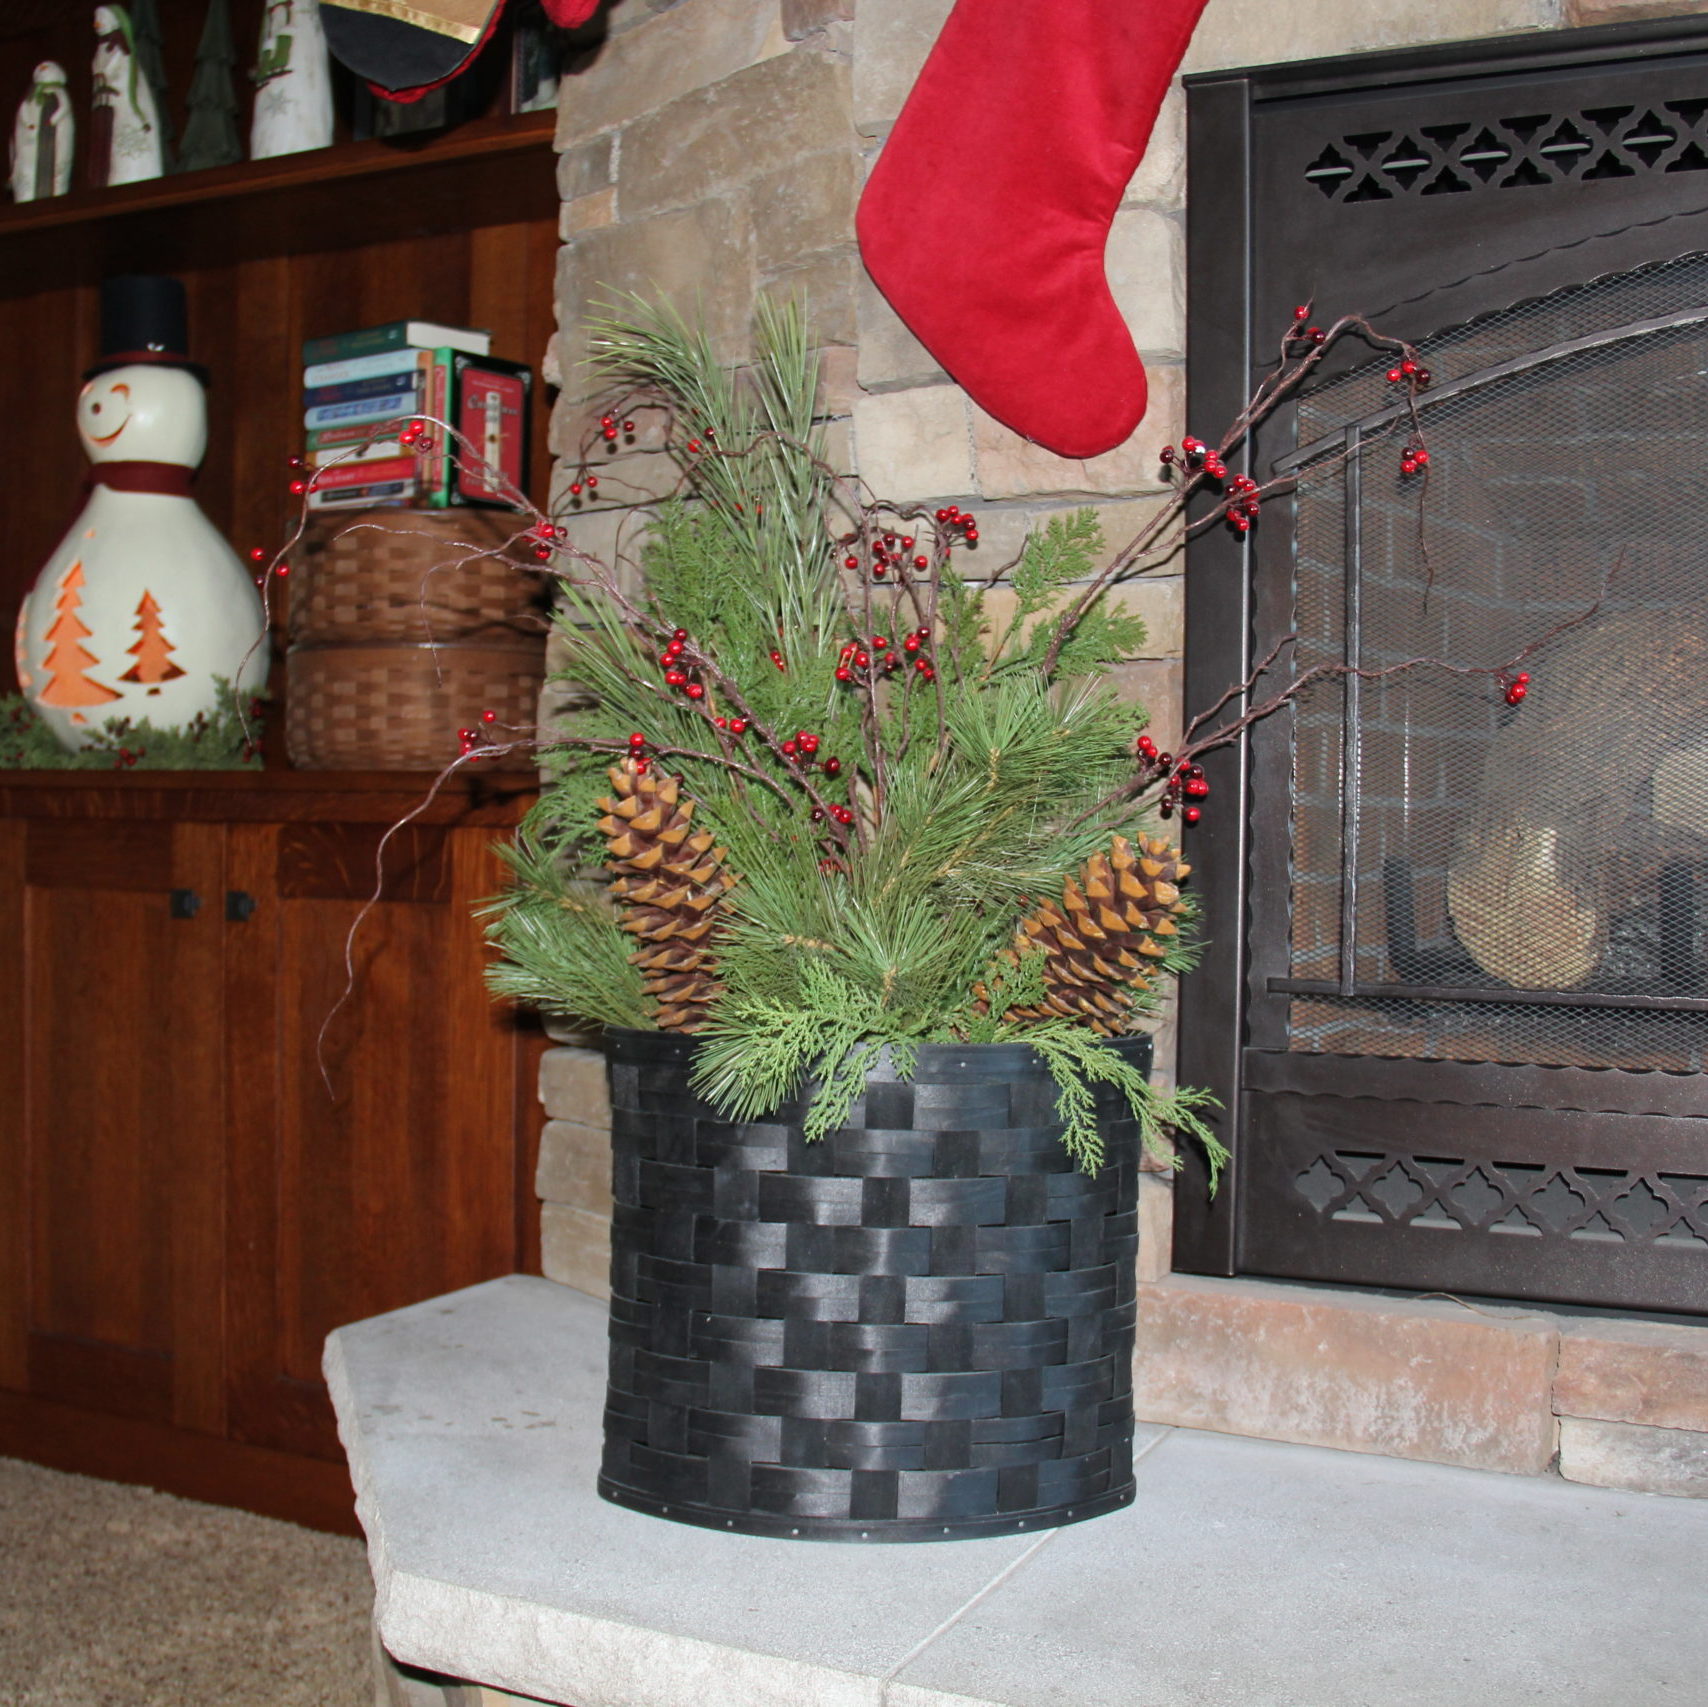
(637, 740)
(694, 444)
(695, 690)
(907, 542)
(862, 660)
(851, 562)
(592, 482)
(607, 420)
(489, 717)
(1522, 678)
(575, 488)
(777, 659)
(628, 426)
(789, 749)
(298, 487)
(1302, 312)
(675, 678)
(738, 726)
(879, 642)
(843, 673)
(1393, 376)
(833, 767)
(1408, 367)
(257, 554)
(679, 635)
(922, 563)
(879, 571)
(842, 814)
(1515, 693)
(1191, 815)
(912, 643)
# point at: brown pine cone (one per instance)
(670, 881)
(1103, 939)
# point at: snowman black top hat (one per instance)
(144, 318)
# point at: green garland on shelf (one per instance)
(227, 739)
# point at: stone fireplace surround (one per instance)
(713, 150)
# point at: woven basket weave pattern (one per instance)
(405, 626)
(920, 1328)
(416, 575)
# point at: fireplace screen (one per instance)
(1509, 868)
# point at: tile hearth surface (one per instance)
(1246, 1573)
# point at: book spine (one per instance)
(365, 473)
(437, 463)
(346, 346)
(356, 433)
(363, 409)
(377, 385)
(386, 493)
(362, 367)
(355, 455)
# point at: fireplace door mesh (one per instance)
(1473, 879)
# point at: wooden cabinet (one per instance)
(227, 1124)
(241, 1102)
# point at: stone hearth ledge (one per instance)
(1246, 1574)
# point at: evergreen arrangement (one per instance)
(228, 740)
(829, 796)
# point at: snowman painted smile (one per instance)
(95, 409)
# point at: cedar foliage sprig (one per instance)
(875, 895)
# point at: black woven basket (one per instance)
(919, 1328)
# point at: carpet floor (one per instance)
(114, 1596)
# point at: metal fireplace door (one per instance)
(1469, 867)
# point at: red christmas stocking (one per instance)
(985, 219)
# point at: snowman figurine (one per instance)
(142, 605)
(44, 134)
(124, 126)
(293, 82)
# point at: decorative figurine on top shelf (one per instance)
(44, 136)
(150, 52)
(293, 82)
(143, 607)
(124, 128)
(210, 132)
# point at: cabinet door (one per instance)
(112, 1159)
(373, 1102)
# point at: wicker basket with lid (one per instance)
(405, 626)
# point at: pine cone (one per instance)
(670, 882)
(1103, 940)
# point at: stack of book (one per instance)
(362, 392)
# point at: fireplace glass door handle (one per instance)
(240, 905)
(183, 903)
